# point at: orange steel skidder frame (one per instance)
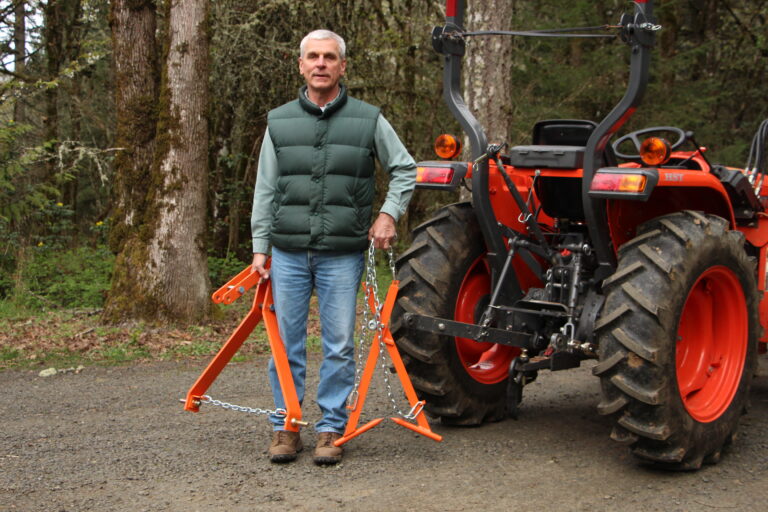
(384, 335)
(263, 308)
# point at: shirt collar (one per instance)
(322, 109)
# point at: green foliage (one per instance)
(200, 347)
(222, 270)
(71, 278)
(9, 241)
(707, 60)
(122, 353)
(52, 276)
(55, 117)
(9, 354)
(20, 193)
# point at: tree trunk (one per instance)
(178, 264)
(20, 54)
(75, 34)
(161, 271)
(133, 27)
(53, 35)
(487, 69)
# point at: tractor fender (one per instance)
(676, 190)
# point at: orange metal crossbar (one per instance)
(383, 334)
(262, 309)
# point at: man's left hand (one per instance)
(383, 231)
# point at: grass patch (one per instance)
(121, 353)
(34, 338)
(9, 354)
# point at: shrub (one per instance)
(222, 270)
(73, 278)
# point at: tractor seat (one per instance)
(558, 144)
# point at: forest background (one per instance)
(130, 132)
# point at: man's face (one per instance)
(321, 65)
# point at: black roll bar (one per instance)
(451, 44)
(638, 31)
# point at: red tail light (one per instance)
(436, 175)
(629, 183)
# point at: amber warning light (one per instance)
(655, 151)
(436, 175)
(447, 146)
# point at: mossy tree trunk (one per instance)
(177, 245)
(161, 272)
(133, 26)
(53, 35)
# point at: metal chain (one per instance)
(373, 324)
(365, 325)
(206, 399)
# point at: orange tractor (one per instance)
(650, 259)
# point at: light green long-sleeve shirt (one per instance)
(390, 152)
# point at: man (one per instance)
(313, 203)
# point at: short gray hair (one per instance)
(324, 34)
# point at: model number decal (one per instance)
(673, 176)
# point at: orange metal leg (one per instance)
(357, 406)
(293, 414)
(242, 281)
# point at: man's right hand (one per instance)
(259, 259)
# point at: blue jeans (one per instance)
(335, 276)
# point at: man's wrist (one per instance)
(391, 210)
(260, 246)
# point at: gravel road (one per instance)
(117, 439)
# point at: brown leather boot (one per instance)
(285, 446)
(325, 451)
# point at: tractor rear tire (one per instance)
(446, 261)
(678, 338)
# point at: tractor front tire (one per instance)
(678, 338)
(443, 274)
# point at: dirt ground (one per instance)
(117, 439)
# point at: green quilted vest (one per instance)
(325, 185)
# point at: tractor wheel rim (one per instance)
(487, 363)
(712, 344)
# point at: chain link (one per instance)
(206, 399)
(371, 322)
(652, 27)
